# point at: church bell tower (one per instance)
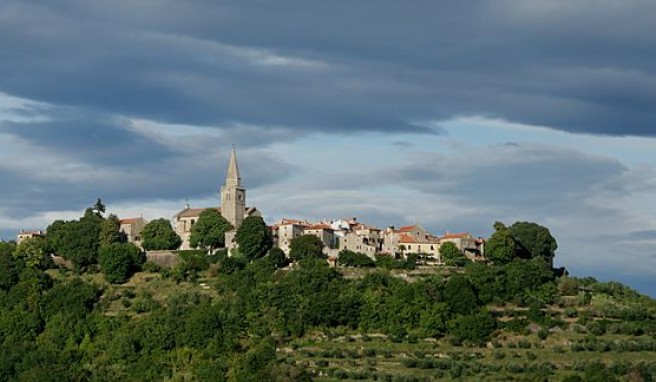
(233, 195)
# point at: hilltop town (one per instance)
(298, 300)
(336, 234)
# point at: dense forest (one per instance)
(253, 316)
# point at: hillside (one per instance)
(215, 318)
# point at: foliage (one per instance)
(355, 259)
(110, 231)
(78, 240)
(159, 235)
(306, 247)
(277, 257)
(10, 267)
(118, 261)
(451, 255)
(250, 321)
(32, 252)
(533, 241)
(389, 263)
(476, 327)
(209, 231)
(501, 247)
(254, 238)
(460, 295)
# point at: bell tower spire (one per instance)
(232, 175)
(233, 195)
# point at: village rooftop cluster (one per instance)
(336, 235)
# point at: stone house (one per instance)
(356, 243)
(132, 228)
(23, 235)
(470, 245)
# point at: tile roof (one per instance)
(129, 220)
(194, 212)
(459, 235)
(320, 226)
(284, 221)
(403, 238)
(407, 228)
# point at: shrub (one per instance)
(475, 327)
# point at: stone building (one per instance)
(23, 235)
(132, 228)
(286, 230)
(470, 245)
(233, 207)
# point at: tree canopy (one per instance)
(306, 247)
(110, 231)
(209, 231)
(501, 247)
(355, 259)
(254, 238)
(119, 260)
(451, 255)
(76, 240)
(534, 241)
(159, 235)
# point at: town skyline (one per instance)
(453, 116)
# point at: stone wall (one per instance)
(165, 259)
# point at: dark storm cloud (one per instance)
(345, 66)
(91, 140)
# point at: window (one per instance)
(193, 221)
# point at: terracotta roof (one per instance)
(459, 235)
(195, 212)
(407, 228)
(320, 226)
(129, 220)
(284, 221)
(403, 238)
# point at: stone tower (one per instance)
(233, 195)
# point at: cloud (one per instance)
(338, 67)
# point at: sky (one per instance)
(449, 114)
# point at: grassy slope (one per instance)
(338, 354)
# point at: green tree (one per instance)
(534, 241)
(306, 247)
(78, 240)
(459, 295)
(158, 235)
(452, 256)
(277, 257)
(355, 259)
(209, 231)
(118, 261)
(501, 247)
(32, 253)
(476, 327)
(110, 231)
(98, 207)
(254, 238)
(9, 267)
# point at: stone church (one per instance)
(233, 207)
